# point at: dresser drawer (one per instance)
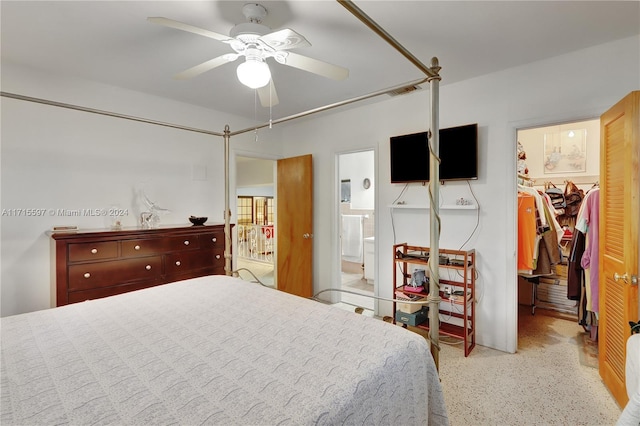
(212, 240)
(180, 263)
(104, 274)
(96, 293)
(148, 246)
(81, 252)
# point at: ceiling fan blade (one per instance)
(203, 67)
(186, 27)
(315, 66)
(284, 39)
(268, 96)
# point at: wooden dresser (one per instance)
(101, 263)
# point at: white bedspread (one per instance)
(213, 350)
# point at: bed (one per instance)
(214, 350)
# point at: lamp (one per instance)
(254, 73)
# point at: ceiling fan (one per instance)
(257, 42)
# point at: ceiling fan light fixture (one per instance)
(254, 73)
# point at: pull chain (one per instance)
(255, 112)
(270, 104)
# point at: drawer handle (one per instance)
(94, 251)
(136, 248)
(178, 263)
(87, 275)
(214, 239)
(148, 267)
(186, 242)
(217, 256)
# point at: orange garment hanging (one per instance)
(527, 232)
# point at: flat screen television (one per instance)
(458, 155)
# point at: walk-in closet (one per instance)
(558, 193)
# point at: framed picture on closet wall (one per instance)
(565, 151)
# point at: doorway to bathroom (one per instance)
(357, 228)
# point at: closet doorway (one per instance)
(356, 227)
(554, 163)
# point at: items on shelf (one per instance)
(412, 307)
(457, 308)
(414, 319)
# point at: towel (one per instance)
(352, 238)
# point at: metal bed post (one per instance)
(433, 77)
(434, 218)
(227, 210)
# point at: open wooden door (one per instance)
(619, 239)
(294, 228)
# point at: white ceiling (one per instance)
(112, 42)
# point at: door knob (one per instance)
(617, 277)
(307, 235)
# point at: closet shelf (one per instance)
(442, 207)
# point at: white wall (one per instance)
(533, 142)
(256, 191)
(357, 166)
(55, 158)
(254, 172)
(564, 88)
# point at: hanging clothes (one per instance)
(575, 272)
(527, 233)
(548, 253)
(583, 262)
(553, 213)
(587, 222)
(540, 203)
(538, 243)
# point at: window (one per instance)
(255, 210)
(245, 210)
(259, 207)
(345, 191)
(269, 207)
(263, 210)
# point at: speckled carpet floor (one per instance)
(588, 350)
(552, 379)
(544, 383)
